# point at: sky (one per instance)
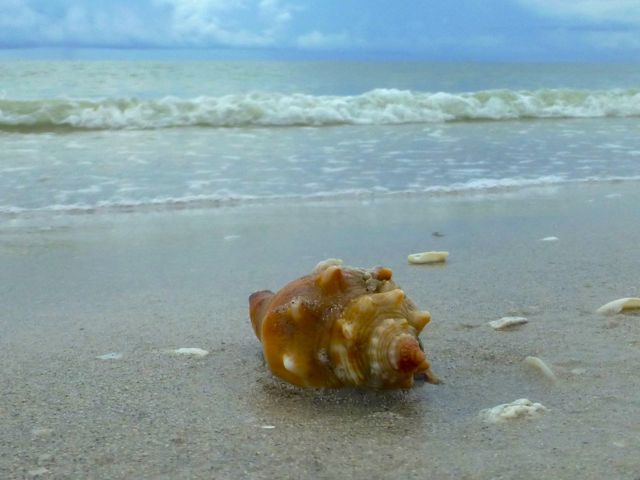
(477, 30)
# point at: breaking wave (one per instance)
(380, 106)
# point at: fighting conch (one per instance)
(342, 326)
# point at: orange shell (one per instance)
(341, 326)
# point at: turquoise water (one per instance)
(86, 136)
(188, 79)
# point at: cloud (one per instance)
(608, 41)
(614, 40)
(319, 40)
(623, 11)
(17, 14)
(603, 25)
(579, 28)
(24, 22)
(247, 23)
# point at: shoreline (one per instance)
(475, 190)
(78, 287)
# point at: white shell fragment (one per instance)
(507, 322)
(549, 239)
(194, 352)
(45, 458)
(620, 306)
(41, 432)
(521, 408)
(37, 473)
(110, 356)
(428, 257)
(542, 367)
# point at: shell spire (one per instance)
(406, 355)
(341, 326)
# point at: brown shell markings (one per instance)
(341, 326)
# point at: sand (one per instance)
(133, 287)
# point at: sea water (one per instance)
(88, 136)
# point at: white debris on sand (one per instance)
(37, 473)
(549, 239)
(542, 367)
(385, 416)
(268, 427)
(190, 351)
(45, 459)
(521, 408)
(41, 432)
(110, 356)
(507, 322)
(621, 305)
(428, 257)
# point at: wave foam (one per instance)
(188, 202)
(380, 106)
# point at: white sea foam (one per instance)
(230, 198)
(379, 106)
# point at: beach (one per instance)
(138, 285)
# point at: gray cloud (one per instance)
(623, 11)
(319, 40)
(580, 27)
(247, 23)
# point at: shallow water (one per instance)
(119, 169)
(86, 136)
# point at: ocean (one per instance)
(90, 136)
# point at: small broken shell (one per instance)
(428, 257)
(621, 305)
(507, 322)
(542, 367)
(341, 326)
(191, 351)
(521, 408)
(110, 356)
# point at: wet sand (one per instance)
(75, 288)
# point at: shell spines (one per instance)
(331, 279)
(341, 326)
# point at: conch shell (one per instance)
(341, 326)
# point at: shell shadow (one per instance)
(397, 411)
